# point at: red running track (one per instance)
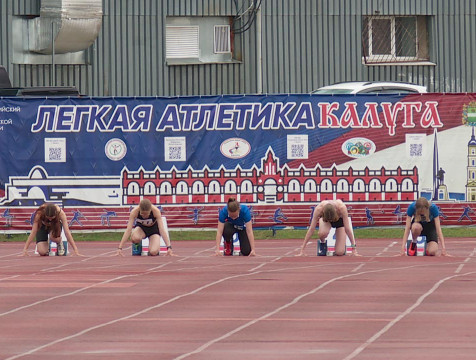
(273, 306)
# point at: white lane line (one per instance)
(387, 327)
(153, 307)
(80, 290)
(387, 248)
(458, 270)
(178, 297)
(373, 257)
(146, 272)
(182, 296)
(9, 277)
(283, 307)
(198, 253)
(254, 321)
(17, 254)
(358, 268)
(272, 261)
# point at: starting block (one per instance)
(236, 244)
(143, 247)
(331, 242)
(421, 245)
(53, 247)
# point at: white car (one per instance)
(371, 87)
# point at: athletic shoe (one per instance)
(228, 248)
(61, 248)
(412, 249)
(322, 248)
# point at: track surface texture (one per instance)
(272, 306)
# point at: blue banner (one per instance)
(270, 151)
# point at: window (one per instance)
(200, 40)
(407, 185)
(149, 188)
(133, 189)
(358, 186)
(395, 39)
(198, 188)
(326, 186)
(222, 39)
(165, 188)
(391, 185)
(247, 187)
(182, 188)
(309, 186)
(230, 187)
(374, 186)
(294, 186)
(342, 186)
(214, 187)
(182, 42)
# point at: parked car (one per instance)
(371, 87)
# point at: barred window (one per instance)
(395, 39)
(222, 39)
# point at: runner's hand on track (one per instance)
(444, 253)
(170, 253)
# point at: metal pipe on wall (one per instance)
(53, 74)
(259, 55)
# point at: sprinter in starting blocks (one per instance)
(331, 215)
(54, 249)
(328, 247)
(422, 222)
(142, 248)
(50, 227)
(145, 221)
(234, 219)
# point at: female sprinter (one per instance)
(331, 214)
(235, 218)
(423, 218)
(145, 220)
(48, 220)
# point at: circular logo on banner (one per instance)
(358, 147)
(469, 114)
(115, 149)
(235, 148)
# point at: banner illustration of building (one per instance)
(279, 154)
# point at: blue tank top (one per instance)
(240, 221)
(433, 211)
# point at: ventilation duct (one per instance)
(73, 25)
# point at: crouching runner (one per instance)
(235, 218)
(145, 220)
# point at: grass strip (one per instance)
(182, 235)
